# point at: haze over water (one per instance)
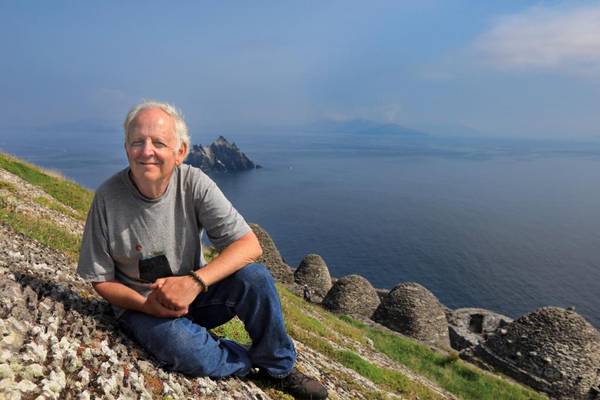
(501, 224)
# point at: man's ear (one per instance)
(180, 153)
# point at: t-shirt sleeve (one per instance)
(95, 263)
(222, 222)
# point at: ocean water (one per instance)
(508, 225)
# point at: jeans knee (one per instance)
(254, 274)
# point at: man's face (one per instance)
(152, 148)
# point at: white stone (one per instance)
(35, 352)
(108, 385)
(5, 355)
(87, 354)
(85, 395)
(84, 377)
(104, 367)
(32, 371)
(26, 386)
(15, 254)
(6, 371)
(54, 384)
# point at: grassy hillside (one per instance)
(51, 210)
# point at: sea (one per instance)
(509, 225)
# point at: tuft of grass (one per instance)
(43, 231)
(63, 190)
(56, 206)
(234, 330)
(8, 186)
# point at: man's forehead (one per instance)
(152, 117)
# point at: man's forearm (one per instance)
(124, 297)
(233, 258)
(120, 295)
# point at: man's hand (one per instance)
(175, 293)
(153, 307)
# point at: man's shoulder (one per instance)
(112, 185)
(193, 175)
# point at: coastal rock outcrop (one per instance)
(352, 295)
(411, 309)
(314, 273)
(551, 349)
(470, 326)
(271, 257)
(219, 156)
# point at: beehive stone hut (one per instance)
(271, 257)
(470, 326)
(412, 310)
(314, 273)
(352, 295)
(551, 349)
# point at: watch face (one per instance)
(154, 267)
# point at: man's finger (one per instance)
(157, 283)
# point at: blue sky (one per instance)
(487, 68)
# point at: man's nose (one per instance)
(148, 149)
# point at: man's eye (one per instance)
(137, 143)
(159, 145)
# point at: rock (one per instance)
(33, 371)
(6, 371)
(551, 349)
(271, 257)
(412, 310)
(352, 295)
(470, 326)
(314, 273)
(220, 156)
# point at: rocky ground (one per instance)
(60, 341)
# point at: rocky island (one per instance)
(59, 340)
(219, 156)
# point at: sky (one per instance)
(485, 68)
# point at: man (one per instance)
(141, 250)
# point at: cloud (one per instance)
(545, 38)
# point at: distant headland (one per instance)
(219, 156)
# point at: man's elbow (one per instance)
(259, 252)
(256, 250)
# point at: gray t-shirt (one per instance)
(135, 240)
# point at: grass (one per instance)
(311, 332)
(234, 330)
(56, 206)
(45, 232)
(448, 371)
(8, 187)
(63, 190)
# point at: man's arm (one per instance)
(122, 296)
(178, 292)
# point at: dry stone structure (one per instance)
(411, 309)
(551, 349)
(352, 295)
(271, 257)
(314, 273)
(470, 326)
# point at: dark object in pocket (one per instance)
(153, 268)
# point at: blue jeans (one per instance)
(185, 345)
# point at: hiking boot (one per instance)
(299, 385)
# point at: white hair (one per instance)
(181, 129)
